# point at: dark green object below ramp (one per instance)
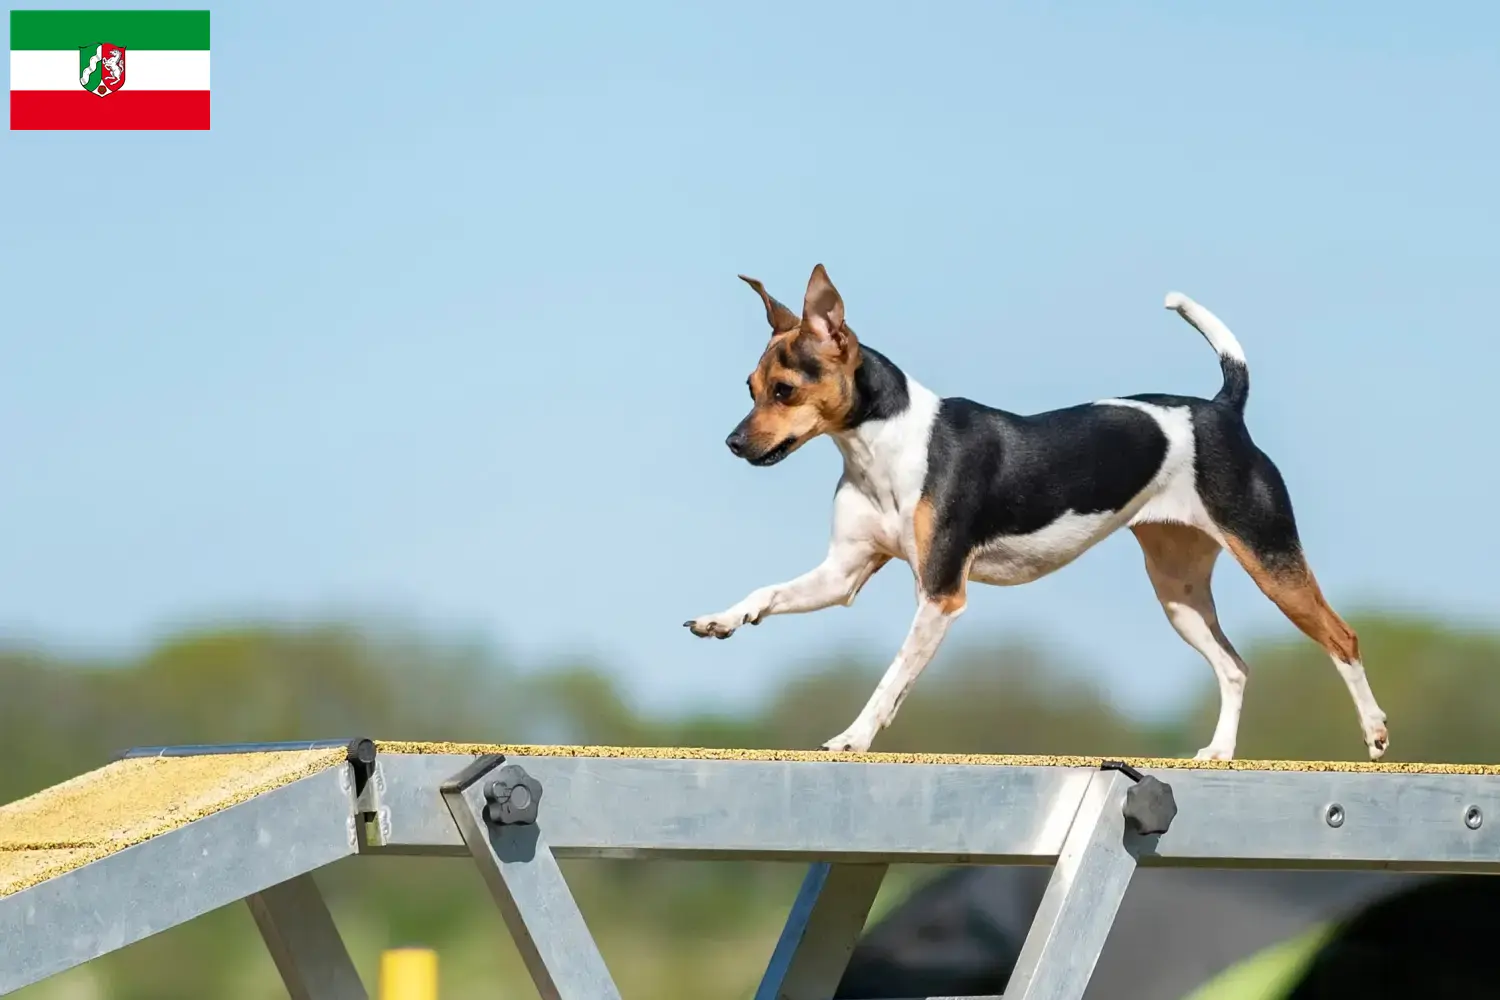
(1200, 934)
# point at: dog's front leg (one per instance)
(836, 580)
(922, 641)
(853, 557)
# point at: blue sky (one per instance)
(440, 321)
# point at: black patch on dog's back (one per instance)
(991, 474)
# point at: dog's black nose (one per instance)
(736, 443)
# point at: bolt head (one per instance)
(1334, 815)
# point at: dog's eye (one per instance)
(781, 392)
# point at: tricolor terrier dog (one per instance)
(962, 491)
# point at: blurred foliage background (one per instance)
(668, 930)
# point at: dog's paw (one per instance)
(1215, 753)
(850, 741)
(719, 626)
(1377, 740)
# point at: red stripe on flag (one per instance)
(128, 109)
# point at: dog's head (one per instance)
(804, 383)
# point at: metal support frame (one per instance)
(1088, 883)
(850, 819)
(304, 943)
(820, 934)
(528, 886)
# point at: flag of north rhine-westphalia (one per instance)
(108, 69)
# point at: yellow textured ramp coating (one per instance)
(128, 801)
(993, 760)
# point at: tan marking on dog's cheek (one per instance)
(773, 422)
(841, 376)
(1294, 590)
(833, 398)
(772, 425)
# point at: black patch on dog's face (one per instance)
(798, 356)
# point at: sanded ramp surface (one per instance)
(130, 801)
(992, 760)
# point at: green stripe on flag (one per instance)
(134, 29)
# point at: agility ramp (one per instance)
(165, 834)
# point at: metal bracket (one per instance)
(372, 815)
(525, 880)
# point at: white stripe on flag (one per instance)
(145, 69)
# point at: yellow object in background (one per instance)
(408, 974)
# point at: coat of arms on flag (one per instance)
(101, 68)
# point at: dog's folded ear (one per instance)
(779, 316)
(823, 312)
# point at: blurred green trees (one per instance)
(668, 930)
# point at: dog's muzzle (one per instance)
(739, 445)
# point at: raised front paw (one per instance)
(720, 626)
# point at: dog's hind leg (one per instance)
(1253, 511)
(1288, 581)
(1180, 563)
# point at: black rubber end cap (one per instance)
(362, 751)
(1149, 806)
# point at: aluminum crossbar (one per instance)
(253, 823)
(758, 807)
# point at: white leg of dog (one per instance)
(1371, 717)
(922, 642)
(852, 558)
(834, 581)
(1199, 627)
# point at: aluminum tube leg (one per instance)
(1077, 910)
(524, 877)
(304, 943)
(825, 924)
